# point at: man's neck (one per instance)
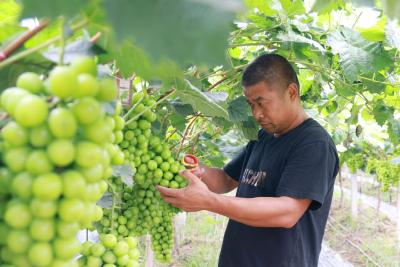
(296, 121)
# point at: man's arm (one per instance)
(217, 180)
(259, 212)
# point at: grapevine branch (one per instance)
(22, 39)
(32, 50)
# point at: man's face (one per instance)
(272, 108)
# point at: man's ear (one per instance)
(293, 91)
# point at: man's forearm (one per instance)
(217, 181)
(260, 211)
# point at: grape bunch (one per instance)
(138, 211)
(59, 145)
(110, 251)
(5, 181)
(150, 158)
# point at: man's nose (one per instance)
(257, 113)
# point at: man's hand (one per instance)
(193, 197)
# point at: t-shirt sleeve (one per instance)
(234, 167)
(309, 173)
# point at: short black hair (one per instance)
(271, 68)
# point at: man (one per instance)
(284, 180)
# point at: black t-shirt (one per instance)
(302, 164)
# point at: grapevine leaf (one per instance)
(217, 97)
(326, 6)
(197, 35)
(293, 7)
(199, 101)
(297, 38)
(10, 11)
(51, 8)
(382, 113)
(125, 172)
(105, 201)
(109, 107)
(130, 59)
(82, 47)
(238, 109)
(263, 6)
(250, 128)
(375, 33)
(356, 54)
(178, 122)
(181, 108)
(9, 32)
(374, 84)
(355, 110)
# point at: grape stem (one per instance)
(186, 132)
(62, 42)
(161, 99)
(34, 49)
(22, 39)
(133, 108)
(112, 205)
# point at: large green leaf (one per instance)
(10, 11)
(51, 8)
(293, 7)
(125, 172)
(9, 32)
(356, 54)
(326, 6)
(186, 31)
(375, 33)
(199, 101)
(238, 109)
(81, 47)
(297, 38)
(382, 113)
(250, 128)
(263, 6)
(131, 59)
(374, 83)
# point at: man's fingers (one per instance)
(168, 191)
(189, 176)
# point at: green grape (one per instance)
(62, 123)
(57, 151)
(14, 134)
(30, 81)
(84, 65)
(31, 111)
(63, 82)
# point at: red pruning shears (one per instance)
(191, 163)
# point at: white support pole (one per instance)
(149, 253)
(398, 213)
(354, 196)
